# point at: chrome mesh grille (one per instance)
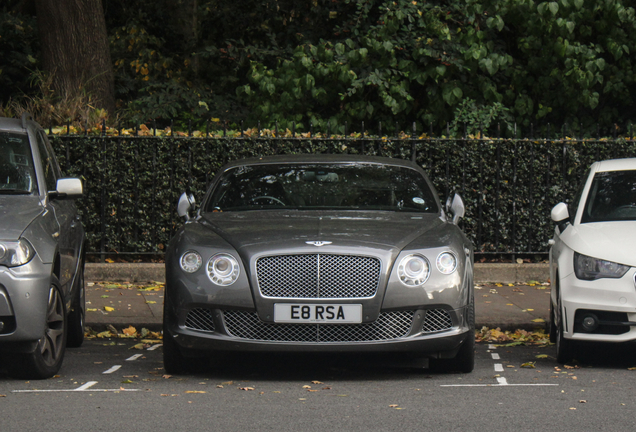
(437, 320)
(318, 276)
(389, 325)
(200, 319)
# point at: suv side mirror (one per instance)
(185, 204)
(67, 188)
(560, 215)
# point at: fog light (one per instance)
(589, 322)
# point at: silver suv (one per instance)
(42, 301)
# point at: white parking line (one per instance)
(495, 356)
(154, 347)
(499, 367)
(135, 357)
(111, 370)
(85, 386)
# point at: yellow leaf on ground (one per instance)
(195, 391)
(109, 309)
(538, 320)
(130, 331)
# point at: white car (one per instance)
(593, 261)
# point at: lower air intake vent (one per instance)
(389, 325)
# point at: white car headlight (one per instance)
(588, 268)
(223, 269)
(446, 263)
(413, 270)
(15, 253)
(190, 261)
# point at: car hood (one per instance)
(16, 213)
(612, 241)
(273, 230)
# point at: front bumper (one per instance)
(611, 300)
(24, 294)
(434, 333)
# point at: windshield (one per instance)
(612, 197)
(350, 186)
(16, 164)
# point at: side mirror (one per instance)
(185, 204)
(455, 207)
(560, 215)
(67, 188)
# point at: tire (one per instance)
(174, 362)
(552, 327)
(76, 318)
(464, 361)
(46, 360)
(565, 347)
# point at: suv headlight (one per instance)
(15, 253)
(588, 268)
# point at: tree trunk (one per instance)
(75, 49)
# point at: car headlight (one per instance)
(588, 268)
(446, 263)
(413, 270)
(15, 253)
(223, 269)
(190, 261)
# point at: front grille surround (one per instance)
(318, 276)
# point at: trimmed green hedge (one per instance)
(508, 186)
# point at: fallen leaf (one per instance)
(195, 391)
(109, 309)
(306, 386)
(166, 376)
(91, 310)
(130, 331)
(393, 406)
(542, 356)
(246, 388)
(538, 320)
(317, 382)
(528, 365)
(582, 401)
(126, 381)
(150, 302)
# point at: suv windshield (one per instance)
(16, 164)
(612, 197)
(345, 186)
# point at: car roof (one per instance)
(11, 125)
(321, 158)
(614, 165)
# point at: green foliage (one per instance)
(19, 47)
(567, 61)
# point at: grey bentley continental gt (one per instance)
(320, 253)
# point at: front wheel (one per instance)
(46, 360)
(77, 315)
(464, 361)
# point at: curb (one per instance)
(155, 272)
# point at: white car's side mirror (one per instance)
(560, 215)
(185, 204)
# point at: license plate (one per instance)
(317, 313)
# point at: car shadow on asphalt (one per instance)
(303, 367)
